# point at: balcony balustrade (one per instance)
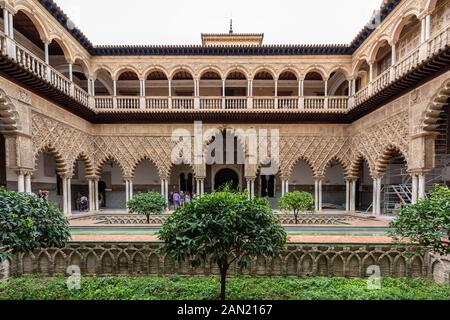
(44, 71)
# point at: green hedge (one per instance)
(207, 288)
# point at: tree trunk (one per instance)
(148, 219)
(296, 217)
(223, 283)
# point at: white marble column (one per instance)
(67, 196)
(415, 188)
(28, 182)
(377, 196)
(421, 187)
(166, 191)
(130, 189)
(20, 181)
(11, 26)
(91, 195)
(6, 21)
(374, 201)
(353, 196)
(96, 200)
(127, 191)
(318, 194)
(347, 195)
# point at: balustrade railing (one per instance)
(128, 103)
(407, 64)
(438, 42)
(103, 102)
(264, 103)
(340, 103)
(288, 103)
(211, 103)
(157, 103)
(30, 62)
(80, 95)
(39, 68)
(182, 103)
(314, 102)
(382, 81)
(60, 82)
(236, 103)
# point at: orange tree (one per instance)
(427, 222)
(223, 227)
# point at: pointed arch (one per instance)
(356, 163)
(88, 163)
(9, 117)
(340, 160)
(61, 165)
(432, 113)
(104, 160)
(161, 171)
(289, 170)
(386, 155)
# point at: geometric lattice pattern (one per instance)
(68, 143)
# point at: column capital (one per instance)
(250, 178)
(319, 178)
(24, 171)
(351, 178)
(93, 178)
(128, 178)
(66, 175)
(418, 171)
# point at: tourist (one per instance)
(181, 199)
(83, 204)
(176, 200)
(171, 201)
(188, 197)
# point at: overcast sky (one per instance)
(182, 21)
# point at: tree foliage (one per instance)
(297, 202)
(223, 227)
(147, 204)
(427, 222)
(28, 223)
